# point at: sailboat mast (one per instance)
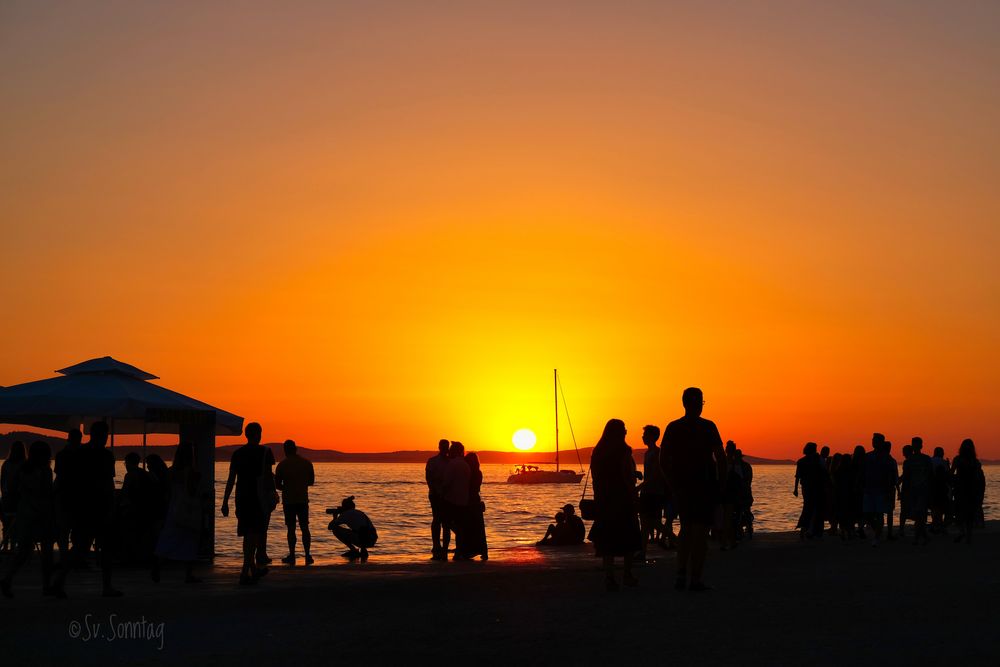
(555, 387)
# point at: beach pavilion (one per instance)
(123, 396)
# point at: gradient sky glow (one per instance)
(369, 225)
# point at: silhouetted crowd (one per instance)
(852, 492)
(160, 512)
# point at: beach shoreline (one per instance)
(776, 601)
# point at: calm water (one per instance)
(395, 497)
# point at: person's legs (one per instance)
(920, 527)
(627, 577)
(105, 539)
(728, 529)
(347, 536)
(889, 519)
(698, 547)
(262, 557)
(289, 512)
(875, 523)
(249, 564)
(303, 517)
(645, 530)
(683, 551)
(609, 573)
(19, 558)
(436, 526)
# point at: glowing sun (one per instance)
(524, 439)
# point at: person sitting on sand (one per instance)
(293, 477)
(574, 525)
(555, 534)
(353, 527)
(568, 529)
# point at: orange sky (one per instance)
(373, 225)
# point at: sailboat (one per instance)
(531, 474)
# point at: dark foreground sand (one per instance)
(776, 602)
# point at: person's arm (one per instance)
(229, 488)
(795, 490)
(312, 475)
(720, 458)
(666, 465)
(279, 483)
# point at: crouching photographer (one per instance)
(353, 527)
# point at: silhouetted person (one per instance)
(474, 543)
(879, 485)
(904, 493)
(940, 497)
(810, 473)
(616, 526)
(890, 515)
(250, 473)
(159, 476)
(457, 477)
(293, 476)
(353, 527)
(918, 473)
(9, 492)
(94, 523)
(35, 520)
(556, 534)
(181, 535)
(827, 512)
(434, 474)
(744, 503)
(64, 487)
(694, 465)
(730, 498)
(858, 459)
(842, 476)
(653, 491)
(575, 529)
(135, 511)
(970, 488)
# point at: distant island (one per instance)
(224, 452)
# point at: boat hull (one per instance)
(545, 477)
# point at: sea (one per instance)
(394, 496)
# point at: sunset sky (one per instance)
(370, 225)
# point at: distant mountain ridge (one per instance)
(224, 452)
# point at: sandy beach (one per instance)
(776, 601)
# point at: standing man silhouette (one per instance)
(293, 477)
(694, 465)
(95, 501)
(250, 474)
(434, 473)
